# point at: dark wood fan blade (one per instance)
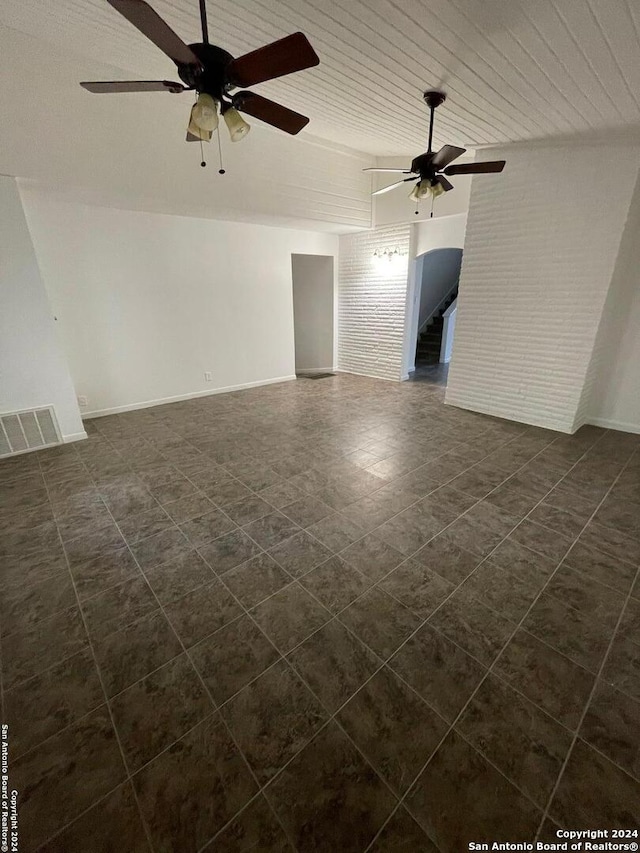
(132, 86)
(274, 114)
(150, 24)
(444, 183)
(476, 168)
(447, 154)
(391, 171)
(285, 56)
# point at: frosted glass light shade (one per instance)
(205, 112)
(421, 190)
(424, 189)
(238, 127)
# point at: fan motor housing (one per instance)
(211, 76)
(422, 164)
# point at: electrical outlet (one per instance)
(82, 401)
(207, 376)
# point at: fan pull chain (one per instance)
(220, 170)
(431, 215)
(203, 162)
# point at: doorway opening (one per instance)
(437, 274)
(313, 314)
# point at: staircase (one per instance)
(430, 339)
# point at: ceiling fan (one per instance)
(428, 170)
(213, 73)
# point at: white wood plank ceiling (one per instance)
(513, 69)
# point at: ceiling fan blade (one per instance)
(150, 24)
(447, 154)
(391, 171)
(392, 186)
(285, 56)
(274, 114)
(476, 168)
(444, 183)
(100, 87)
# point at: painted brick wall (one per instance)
(372, 301)
(612, 392)
(541, 244)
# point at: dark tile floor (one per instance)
(321, 616)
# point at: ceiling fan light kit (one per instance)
(213, 73)
(428, 170)
(424, 189)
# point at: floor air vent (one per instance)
(28, 430)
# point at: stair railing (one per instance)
(440, 305)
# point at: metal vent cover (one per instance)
(30, 429)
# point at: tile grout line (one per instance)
(283, 654)
(295, 580)
(308, 495)
(106, 697)
(108, 700)
(337, 553)
(215, 705)
(384, 664)
(596, 683)
(479, 500)
(489, 670)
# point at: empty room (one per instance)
(319, 426)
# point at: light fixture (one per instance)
(388, 254)
(204, 115)
(238, 127)
(389, 260)
(424, 189)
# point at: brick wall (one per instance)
(372, 301)
(541, 244)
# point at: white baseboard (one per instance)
(622, 426)
(74, 436)
(315, 370)
(148, 404)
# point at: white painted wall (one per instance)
(33, 371)
(614, 396)
(541, 244)
(395, 206)
(313, 312)
(147, 302)
(442, 233)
